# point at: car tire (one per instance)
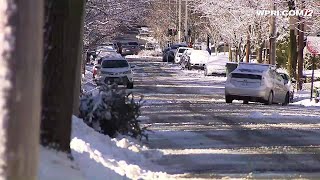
(130, 85)
(206, 71)
(189, 66)
(245, 102)
(270, 99)
(229, 99)
(287, 100)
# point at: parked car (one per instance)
(113, 44)
(288, 82)
(257, 83)
(149, 46)
(130, 48)
(195, 58)
(107, 47)
(98, 60)
(115, 70)
(179, 53)
(168, 53)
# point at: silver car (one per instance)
(257, 83)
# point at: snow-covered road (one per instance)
(202, 137)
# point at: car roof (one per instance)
(113, 58)
(253, 68)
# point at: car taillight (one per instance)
(262, 81)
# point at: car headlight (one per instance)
(127, 72)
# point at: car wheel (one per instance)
(270, 99)
(229, 99)
(287, 100)
(245, 102)
(189, 66)
(206, 71)
(130, 85)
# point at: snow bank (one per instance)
(302, 98)
(56, 165)
(308, 73)
(101, 157)
(217, 63)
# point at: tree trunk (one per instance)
(292, 58)
(248, 45)
(65, 20)
(300, 51)
(260, 53)
(80, 64)
(260, 44)
(230, 53)
(272, 57)
(24, 96)
(236, 54)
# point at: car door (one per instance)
(280, 89)
(275, 85)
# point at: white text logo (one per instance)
(305, 13)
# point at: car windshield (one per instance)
(114, 64)
(182, 50)
(133, 43)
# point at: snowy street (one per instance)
(202, 136)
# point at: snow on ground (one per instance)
(308, 73)
(56, 165)
(217, 63)
(101, 157)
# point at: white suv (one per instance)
(116, 70)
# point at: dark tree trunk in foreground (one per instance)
(24, 96)
(63, 30)
(300, 50)
(292, 58)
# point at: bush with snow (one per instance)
(112, 111)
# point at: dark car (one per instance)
(130, 48)
(169, 52)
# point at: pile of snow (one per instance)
(217, 63)
(306, 102)
(308, 73)
(260, 115)
(302, 98)
(101, 157)
(148, 53)
(56, 165)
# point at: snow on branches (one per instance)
(105, 19)
(234, 19)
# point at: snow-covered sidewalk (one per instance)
(98, 157)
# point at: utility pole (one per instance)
(179, 23)
(272, 57)
(300, 49)
(186, 23)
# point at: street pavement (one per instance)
(203, 137)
